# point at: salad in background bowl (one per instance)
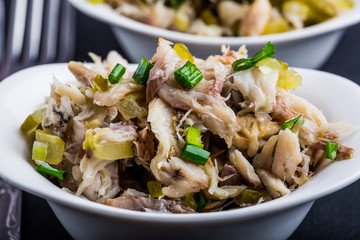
(308, 47)
(230, 18)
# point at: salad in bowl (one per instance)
(180, 134)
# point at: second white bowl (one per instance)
(309, 47)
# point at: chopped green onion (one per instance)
(291, 123)
(100, 83)
(200, 201)
(248, 196)
(246, 63)
(45, 168)
(117, 72)
(298, 124)
(193, 137)
(188, 75)
(183, 52)
(175, 3)
(32, 121)
(141, 74)
(39, 151)
(195, 154)
(266, 52)
(155, 189)
(331, 149)
(55, 146)
(242, 64)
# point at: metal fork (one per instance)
(38, 31)
(32, 32)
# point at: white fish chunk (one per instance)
(217, 192)
(256, 18)
(287, 156)
(265, 158)
(215, 114)
(274, 185)
(181, 177)
(243, 166)
(257, 88)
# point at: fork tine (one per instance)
(50, 31)
(66, 44)
(8, 50)
(18, 29)
(2, 30)
(36, 16)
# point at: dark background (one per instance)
(336, 216)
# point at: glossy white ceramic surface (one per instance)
(309, 47)
(25, 91)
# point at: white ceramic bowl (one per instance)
(25, 91)
(309, 47)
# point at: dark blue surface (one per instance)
(336, 216)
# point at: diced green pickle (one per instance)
(208, 17)
(130, 108)
(277, 26)
(107, 150)
(96, 1)
(297, 8)
(182, 19)
(55, 149)
(289, 79)
(183, 52)
(248, 196)
(32, 121)
(155, 189)
(190, 201)
(268, 65)
(101, 83)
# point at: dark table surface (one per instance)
(336, 216)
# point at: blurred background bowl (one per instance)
(309, 47)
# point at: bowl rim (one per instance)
(105, 13)
(57, 195)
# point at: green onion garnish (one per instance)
(188, 75)
(141, 74)
(292, 122)
(117, 72)
(195, 154)
(331, 149)
(45, 168)
(175, 3)
(193, 137)
(39, 151)
(200, 201)
(246, 63)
